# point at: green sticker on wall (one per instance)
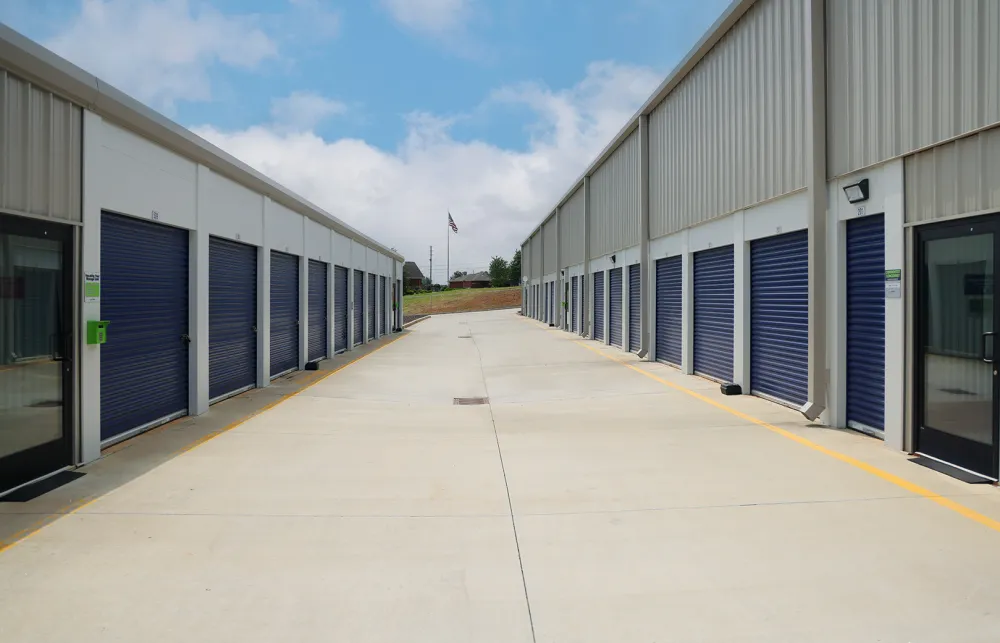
(92, 287)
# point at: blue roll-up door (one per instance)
(713, 313)
(284, 312)
(545, 303)
(144, 294)
(779, 317)
(382, 298)
(340, 307)
(866, 323)
(634, 308)
(552, 302)
(615, 306)
(575, 298)
(372, 307)
(598, 333)
(232, 318)
(359, 307)
(319, 315)
(669, 309)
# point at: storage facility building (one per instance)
(145, 274)
(807, 207)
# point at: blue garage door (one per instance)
(372, 307)
(319, 315)
(575, 299)
(866, 323)
(359, 307)
(340, 307)
(669, 310)
(232, 318)
(144, 294)
(552, 302)
(545, 303)
(779, 317)
(599, 306)
(634, 308)
(713, 313)
(284, 313)
(382, 298)
(615, 306)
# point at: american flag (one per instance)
(451, 222)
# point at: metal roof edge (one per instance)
(37, 64)
(719, 28)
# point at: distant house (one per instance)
(413, 279)
(477, 280)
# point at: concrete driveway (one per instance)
(594, 498)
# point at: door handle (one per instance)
(186, 338)
(989, 360)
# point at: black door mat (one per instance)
(42, 487)
(948, 470)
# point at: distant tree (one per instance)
(426, 283)
(459, 273)
(499, 272)
(514, 270)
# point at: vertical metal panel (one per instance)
(614, 200)
(319, 330)
(955, 178)
(905, 74)
(714, 313)
(144, 296)
(232, 317)
(359, 307)
(571, 229)
(866, 323)
(284, 312)
(340, 307)
(779, 317)
(382, 298)
(574, 299)
(550, 247)
(634, 308)
(372, 307)
(669, 309)
(732, 133)
(41, 147)
(536, 255)
(615, 307)
(598, 333)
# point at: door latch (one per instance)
(186, 338)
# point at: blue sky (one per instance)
(390, 112)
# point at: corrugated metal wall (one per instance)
(905, 74)
(732, 133)
(536, 255)
(551, 245)
(525, 260)
(614, 200)
(955, 178)
(571, 229)
(40, 151)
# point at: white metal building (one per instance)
(807, 207)
(212, 278)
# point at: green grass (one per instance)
(461, 300)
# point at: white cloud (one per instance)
(160, 51)
(433, 17)
(496, 195)
(303, 111)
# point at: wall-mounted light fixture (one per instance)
(857, 192)
(613, 257)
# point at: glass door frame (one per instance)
(45, 459)
(955, 229)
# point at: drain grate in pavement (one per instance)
(471, 401)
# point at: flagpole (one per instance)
(448, 262)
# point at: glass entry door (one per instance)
(957, 344)
(35, 349)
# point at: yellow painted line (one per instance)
(891, 478)
(77, 505)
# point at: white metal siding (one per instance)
(536, 255)
(571, 229)
(551, 247)
(614, 200)
(525, 258)
(732, 133)
(956, 178)
(41, 139)
(905, 74)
